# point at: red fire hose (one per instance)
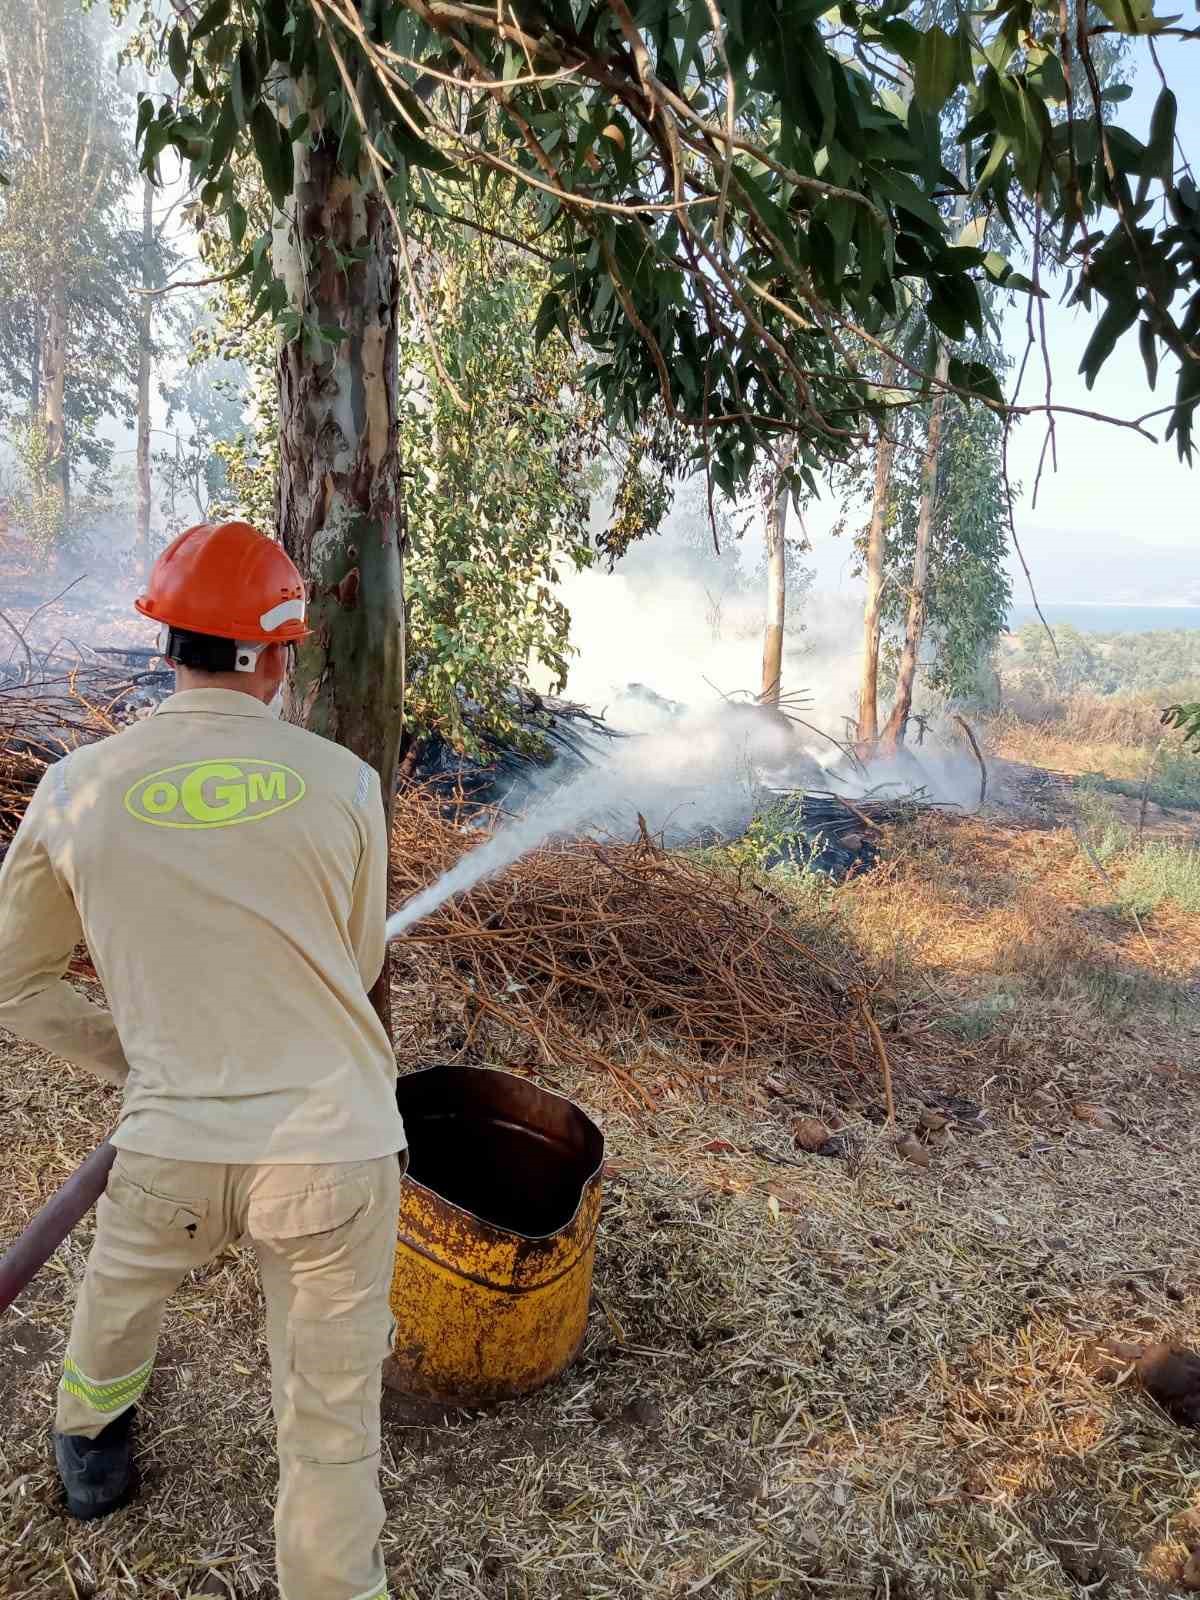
(53, 1223)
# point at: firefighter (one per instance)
(228, 872)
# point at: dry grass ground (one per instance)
(1120, 736)
(804, 1376)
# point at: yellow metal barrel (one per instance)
(497, 1235)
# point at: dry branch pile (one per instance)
(51, 706)
(630, 942)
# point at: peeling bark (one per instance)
(339, 504)
(340, 509)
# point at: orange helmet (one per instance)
(228, 581)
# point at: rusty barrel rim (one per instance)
(449, 1071)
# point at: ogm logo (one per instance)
(214, 794)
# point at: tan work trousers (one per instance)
(325, 1237)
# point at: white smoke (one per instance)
(659, 633)
(700, 774)
(669, 649)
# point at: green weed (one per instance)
(980, 1018)
(1162, 871)
(1174, 781)
(1152, 873)
(1107, 835)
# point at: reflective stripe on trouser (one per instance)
(325, 1240)
(105, 1399)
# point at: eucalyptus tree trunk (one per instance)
(54, 378)
(868, 693)
(776, 523)
(340, 511)
(143, 381)
(893, 734)
(35, 367)
(892, 737)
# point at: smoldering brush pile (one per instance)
(827, 833)
(834, 817)
(51, 705)
(834, 834)
(584, 941)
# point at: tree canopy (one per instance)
(740, 192)
(68, 252)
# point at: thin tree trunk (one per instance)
(868, 693)
(892, 737)
(35, 368)
(143, 383)
(340, 510)
(54, 368)
(772, 674)
(897, 724)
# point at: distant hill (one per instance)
(1107, 568)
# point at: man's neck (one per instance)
(236, 682)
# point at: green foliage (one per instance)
(1061, 665)
(65, 236)
(718, 281)
(242, 418)
(1187, 719)
(968, 591)
(1119, 737)
(797, 576)
(497, 495)
(645, 483)
(772, 832)
(1148, 874)
(205, 397)
(1174, 780)
(53, 526)
(1107, 836)
(35, 506)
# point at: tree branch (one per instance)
(191, 283)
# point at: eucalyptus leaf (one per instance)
(1135, 16)
(1117, 317)
(269, 144)
(1160, 151)
(938, 67)
(177, 54)
(978, 377)
(1149, 348)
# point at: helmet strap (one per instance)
(205, 653)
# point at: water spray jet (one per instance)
(700, 774)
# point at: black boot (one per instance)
(98, 1474)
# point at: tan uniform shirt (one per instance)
(229, 874)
